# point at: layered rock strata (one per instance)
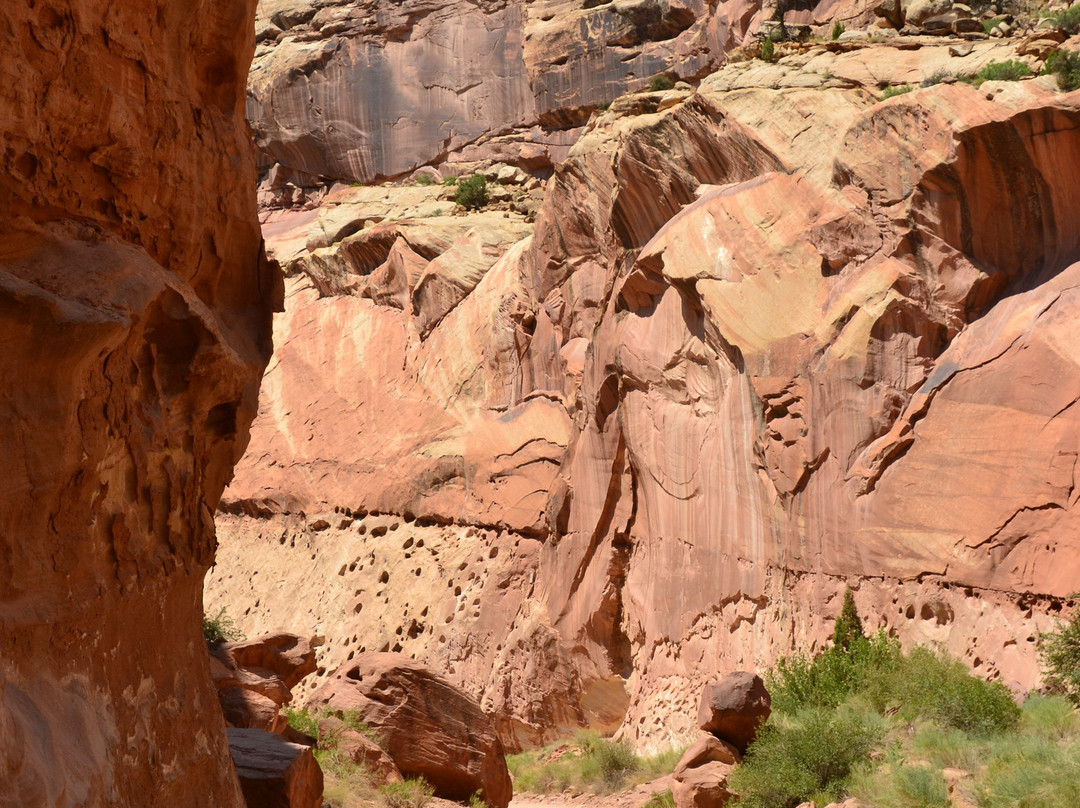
(135, 315)
(359, 91)
(760, 344)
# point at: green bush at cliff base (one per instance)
(1059, 651)
(472, 193)
(862, 695)
(1065, 64)
(768, 50)
(837, 30)
(660, 83)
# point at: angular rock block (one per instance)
(273, 772)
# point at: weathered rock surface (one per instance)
(701, 775)
(734, 707)
(364, 90)
(273, 772)
(761, 343)
(135, 316)
(428, 727)
(255, 678)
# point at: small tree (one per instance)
(1060, 653)
(472, 193)
(848, 625)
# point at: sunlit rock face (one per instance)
(759, 345)
(363, 90)
(135, 317)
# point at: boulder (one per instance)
(255, 678)
(734, 707)
(286, 656)
(700, 778)
(273, 772)
(427, 726)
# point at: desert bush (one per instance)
(221, 628)
(414, 793)
(616, 761)
(924, 684)
(425, 179)
(1065, 64)
(449, 181)
(810, 756)
(1068, 20)
(1011, 70)
(895, 90)
(660, 83)
(1059, 651)
(472, 193)
(768, 50)
(837, 30)
(827, 680)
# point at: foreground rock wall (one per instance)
(801, 339)
(134, 309)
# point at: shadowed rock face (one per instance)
(134, 314)
(763, 343)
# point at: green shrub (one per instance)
(425, 179)
(615, 760)
(476, 800)
(1065, 64)
(991, 24)
(927, 685)
(1068, 20)
(408, 794)
(221, 628)
(893, 91)
(472, 193)
(1059, 651)
(829, 679)
(660, 83)
(837, 30)
(768, 50)
(1011, 70)
(449, 181)
(303, 720)
(811, 756)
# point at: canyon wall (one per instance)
(767, 338)
(359, 91)
(135, 309)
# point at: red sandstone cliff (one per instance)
(765, 339)
(135, 318)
